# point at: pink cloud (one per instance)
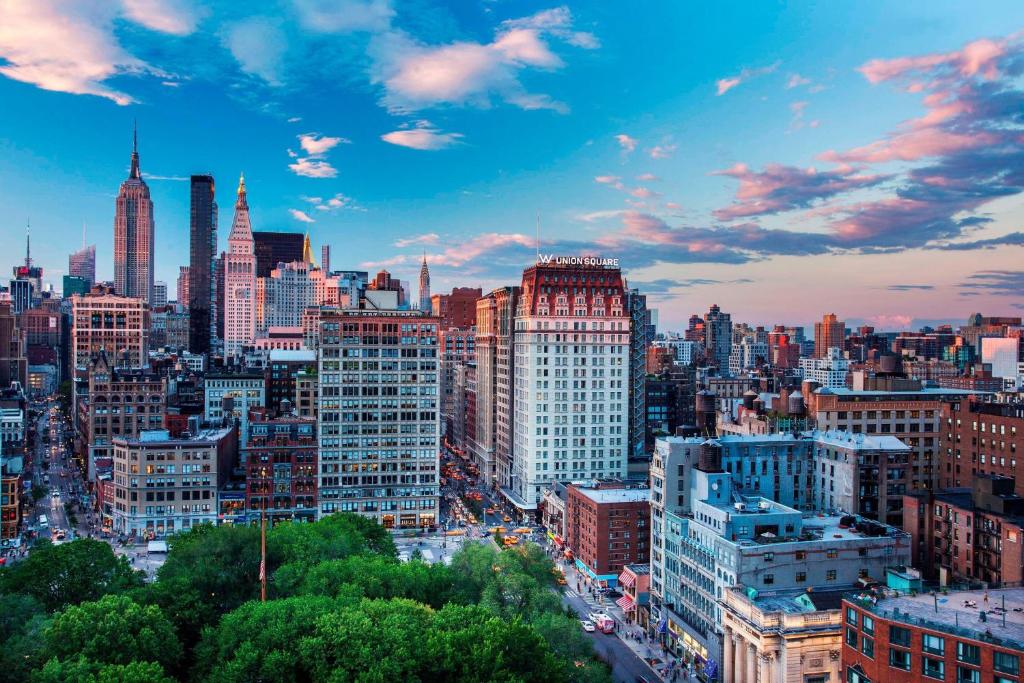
(422, 136)
(977, 57)
(911, 146)
(796, 80)
(647, 177)
(661, 151)
(724, 85)
(627, 143)
(643, 193)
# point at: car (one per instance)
(588, 626)
(506, 519)
(55, 493)
(597, 616)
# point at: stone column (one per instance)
(765, 668)
(740, 664)
(728, 668)
(751, 664)
(780, 667)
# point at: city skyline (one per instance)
(689, 156)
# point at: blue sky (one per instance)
(781, 161)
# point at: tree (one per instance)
(70, 573)
(82, 670)
(221, 563)
(473, 567)
(183, 606)
(372, 576)
(260, 641)
(113, 630)
(15, 611)
(23, 651)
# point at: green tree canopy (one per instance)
(82, 670)
(113, 630)
(70, 573)
(373, 577)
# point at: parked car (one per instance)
(588, 626)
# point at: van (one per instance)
(43, 522)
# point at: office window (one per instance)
(830, 575)
(965, 675)
(801, 577)
(1006, 663)
(867, 646)
(966, 652)
(899, 659)
(933, 644)
(851, 616)
(867, 624)
(899, 636)
(851, 637)
(933, 668)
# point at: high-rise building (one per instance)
(424, 285)
(640, 335)
(159, 295)
(457, 309)
(13, 358)
(325, 258)
(240, 281)
(183, 284)
(82, 264)
(133, 235)
(218, 296)
(495, 323)
(458, 347)
(829, 333)
(307, 251)
(571, 396)
(202, 255)
(718, 338)
(365, 466)
(276, 247)
(75, 285)
(290, 289)
(105, 321)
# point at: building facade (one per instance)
(495, 323)
(607, 527)
(828, 334)
(424, 286)
(202, 254)
(379, 416)
(276, 247)
(571, 382)
(281, 470)
(239, 281)
(82, 263)
(229, 397)
(105, 321)
(981, 437)
(718, 338)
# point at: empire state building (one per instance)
(133, 235)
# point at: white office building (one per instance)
(829, 371)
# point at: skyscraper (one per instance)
(218, 297)
(82, 264)
(718, 338)
(159, 294)
(424, 285)
(325, 258)
(276, 247)
(829, 333)
(240, 280)
(133, 235)
(307, 252)
(202, 253)
(640, 335)
(571, 398)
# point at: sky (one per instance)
(782, 160)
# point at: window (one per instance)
(966, 652)
(769, 579)
(851, 637)
(768, 557)
(899, 636)
(965, 675)
(852, 676)
(933, 668)
(867, 624)
(851, 616)
(1006, 663)
(933, 644)
(801, 554)
(867, 646)
(801, 577)
(830, 575)
(899, 659)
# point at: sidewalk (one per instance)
(642, 644)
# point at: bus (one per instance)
(43, 522)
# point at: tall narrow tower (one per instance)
(307, 251)
(133, 234)
(424, 285)
(240, 280)
(202, 254)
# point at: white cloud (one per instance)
(647, 177)
(724, 85)
(335, 203)
(301, 216)
(66, 47)
(342, 16)
(661, 151)
(177, 17)
(796, 80)
(428, 238)
(416, 76)
(626, 142)
(258, 44)
(424, 136)
(316, 145)
(294, 119)
(313, 168)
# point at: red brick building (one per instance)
(281, 469)
(607, 527)
(968, 533)
(926, 638)
(457, 309)
(979, 437)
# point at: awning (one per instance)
(626, 579)
(625, 602)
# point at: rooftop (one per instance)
(843, 439)
(161, 437)
(960, 612)
(285, 355)
(605, 496)
(797, 600)
(927, 391)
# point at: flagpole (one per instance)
(263, 555)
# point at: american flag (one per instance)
(263, 569)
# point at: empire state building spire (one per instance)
(135, 153)
(134, 230)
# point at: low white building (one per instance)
(230, 396)
(830, 371)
